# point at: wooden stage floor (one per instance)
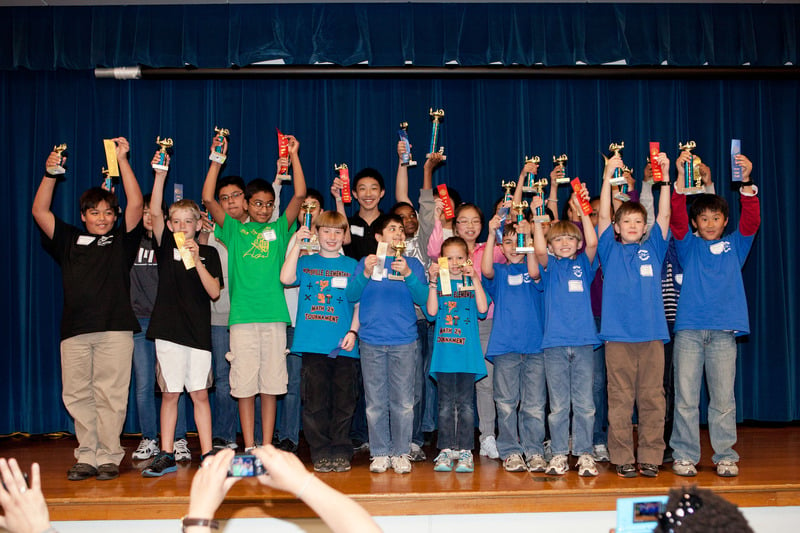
(770, 476)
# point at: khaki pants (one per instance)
(96, 375)
(635, 373)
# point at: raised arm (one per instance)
(401, 182)
(289, 268)
(604, 217)
(589, 233)
(540, 244)
(487, 259)
(133, 194)
(293, 209)
(750, 220)
(157, 200)
(529, 168)
(210, 185)
(663, 216)
(41, 212)
(552, 200)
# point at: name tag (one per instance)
(646, 271)
(515, 280)
(176, 255)
(85, 240)
(575, 285)
(339, 282)
(357, 230)
(679, 279)
(269, 235)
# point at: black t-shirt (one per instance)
(182, 313)
(95, 273)
(362, 237)
(144, 278)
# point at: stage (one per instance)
(769, 476)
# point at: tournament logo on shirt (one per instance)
(577, 271)
(105, 240)
(721, 247)
(259, 248)
(644, 255)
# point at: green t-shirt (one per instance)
(255, 256)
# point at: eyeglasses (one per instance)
(671, 520)
(231, 196)
(258, 204)
(468, 221)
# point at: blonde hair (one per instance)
(189, 205)
(331, 219)
(564, 227)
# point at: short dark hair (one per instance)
(385, 219)
(708, 202)
(237, 181)
(316, 195)
(91, 198)
(398, 205)
(258, 185)
(368, 172)
(509, 230)
(468, 205)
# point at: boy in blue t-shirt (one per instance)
(515, 349)
(633, 325)
(712, 312)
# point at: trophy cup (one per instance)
(522, 246)
(437, 117)
(399, 247)
(618, 178)
(539, 214)
(503, 211)
(216, 154)
(622, 191)
(162, 157)
(692, 180)
(530, 179)
(466, 284)
(59, 168)
(561, 161)
(312, 244)
(406, 160)
(344, 176)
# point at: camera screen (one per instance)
(646, 511)
(245, 466)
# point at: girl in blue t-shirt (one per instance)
(457, 300)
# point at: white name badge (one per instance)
(515, 280)
(679, 279)
(575, 285)
(85, 240)
(357, 230)
(646, 271)
(269, 235)
(339, 282)
(176, 255)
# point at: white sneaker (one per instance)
(401, 464)
(558, 465)
(489, 448)
(727, 468)
(147, 448)
(514, 463)
(380, 464)
(586, 466)
(536, 463)
(600, 453)
(181, 451)
(684, 468)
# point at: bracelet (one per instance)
(300, 492)
(552, 200)
(354, 332)
(201, 522)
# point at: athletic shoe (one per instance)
(323, 465)
(147, 448)
(417, 454)
(340, 464)
(443, 461)
(287, 445)
(107, 471)
(600, 453)
(648, 470)
(727, 468)
(250, 449)
(514, 463)
(220, 444)
(164, 463)
(586, 466)
(558, 465)
(465, 463)
(181, 451)
(401, 464)
(81, 471)
(626, 470)
(684, 468)
(489, 448)
(536, 463)
(359, 446)
(380, 464)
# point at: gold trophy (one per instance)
(561, 161)
(216, 155)
(530, 179)
(622, 191)
(162, 157)
(539, 214)
(59, 168)
(436, 117)
(522, 246)
(399, 247)
(312, 244)
(692, 180)
(466, 284)
(618, 178)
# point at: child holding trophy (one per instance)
(712, 312)
(457, 357)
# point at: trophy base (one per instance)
(444, 157)
(284, 177)
(309, 247)
(541, 218)
(217, 157)
(468, 288)
(694, 190)
(409, 164)
(528, 190)
(55, 170)
(562, 181)
(622, 197)
(524, 249)
(617, 181)
(396, 276)
(160, 167)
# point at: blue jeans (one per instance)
(569, 371)
(430, 397)
(421, 378)
(519, 381)
(290, 403)
(716, 352)
(226, 410)
(456, 412)
(389, 393)
(600, 394)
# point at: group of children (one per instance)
(401, 306)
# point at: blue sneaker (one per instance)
(164, 463)
(443, 461)
(465, 462)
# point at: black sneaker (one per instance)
(220, 444)
(341, 464)
(648, 470)
(626, 470)
(323, 465)
(81, 471)
(164, 463)
(107, 471)
(287, 446)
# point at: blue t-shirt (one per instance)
(633, 309)
(568, 319)
(457, 346)
(324, 313)
(386, 310)
(518, 326)
(712, 294)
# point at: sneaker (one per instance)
(250, 449)
(340, 464)
(684, 468)
(626, 470)
(489, 448)
(359, 446)
(600, 453)
(648, 470)
(514, 463)
(443, 461)
(107, 472)
(417, 454)
(220, 444)
(147, 448)
(401, 464)
(323, 465)
(81, 471)
(380, 464)
(465, 463)
(287, 445)
(536, 463)
(727, 468)
(558, 465)
(164, 463)
(586, 466)
(181, 451)
(548, 450)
